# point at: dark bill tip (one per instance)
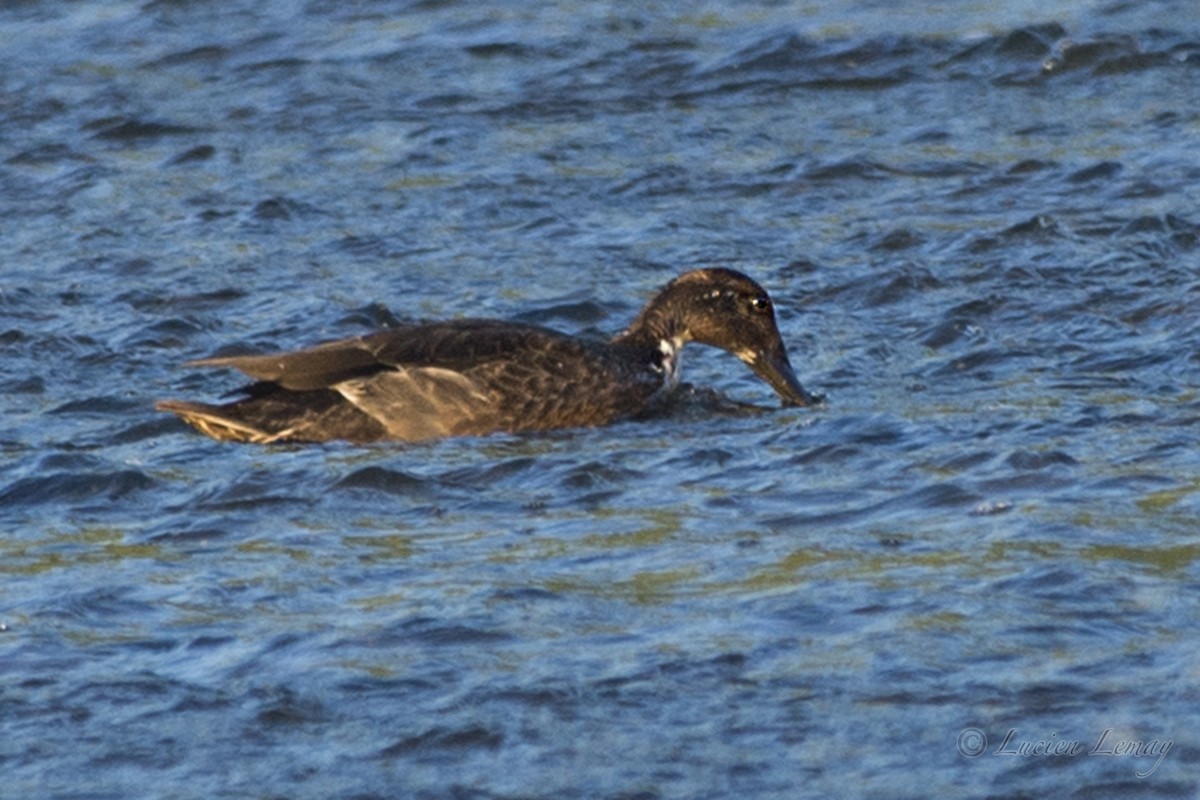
(777, 371)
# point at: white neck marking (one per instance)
(671, 357)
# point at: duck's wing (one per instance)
(464, 344)
(480, 376)
(409, 404)
(317, 367)
(454, 345)
(423, 402)
(417, 382)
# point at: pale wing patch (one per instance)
(421, 402)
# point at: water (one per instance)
(978, 221)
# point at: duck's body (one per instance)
(474, 377)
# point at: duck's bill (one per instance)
(775, 369)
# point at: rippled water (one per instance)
(979, 223)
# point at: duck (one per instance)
(474, 377)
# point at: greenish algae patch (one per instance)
(663, 524)
(387, 546)
(116, 551)
(424, 182)
(940, 621)
(886, 569)
(643, 588)
(1164, 511)
(274, 548)
(646, 588)
(65, 549)
(1161, 559)
(788, 570)
(656, 526)
(20, 562)
(543, 548)
(1162, 501)
(853, 563)
(707, 20)
(381, 601)
(372, 670)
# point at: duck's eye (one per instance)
(761, 304)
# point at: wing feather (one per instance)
(300, 370)
(439, 379)
(422, 402)
(452, 345)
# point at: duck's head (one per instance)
(726, 309)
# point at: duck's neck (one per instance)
(660, 324)
(659, 333)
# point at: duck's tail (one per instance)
(218, 422)
(271, 415)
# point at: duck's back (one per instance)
(427, 381)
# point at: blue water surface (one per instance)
(974, 572)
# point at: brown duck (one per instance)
(479, 376)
